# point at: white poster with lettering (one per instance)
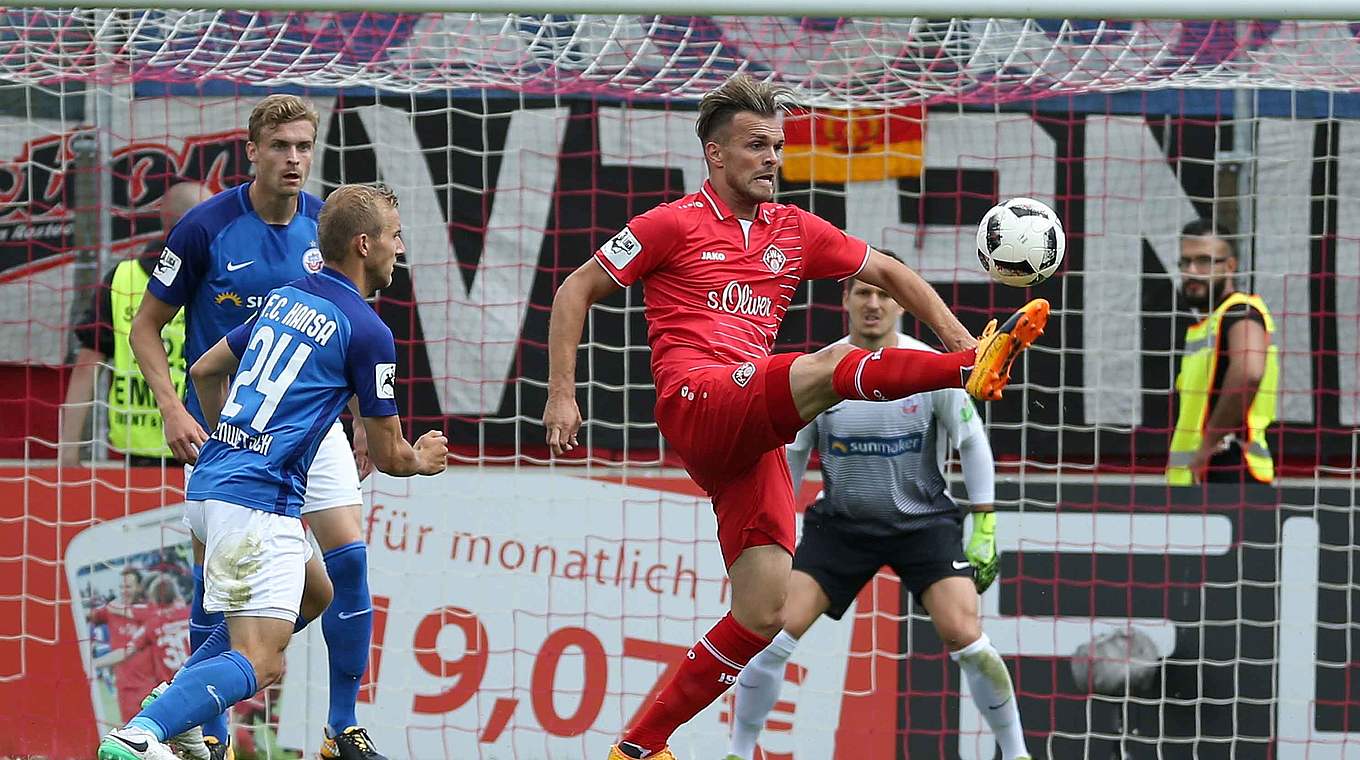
(533, 615)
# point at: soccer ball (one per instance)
(1021, 242)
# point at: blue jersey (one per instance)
(221, 260)
(315, 343)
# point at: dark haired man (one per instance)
(721, 267)
(1230, 371)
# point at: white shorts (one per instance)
(332, 480)
(255, 565)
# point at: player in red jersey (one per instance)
(721, 267)
(165, 634)
(133, 674)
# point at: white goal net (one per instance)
(526, 608)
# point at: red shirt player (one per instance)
(165, 635)
(133, 673)
(721, 267)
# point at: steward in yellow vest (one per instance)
(134, 418)
(1229, 375)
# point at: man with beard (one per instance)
(1229, 373)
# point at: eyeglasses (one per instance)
(1201, 262)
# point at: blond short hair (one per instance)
(740, 94)
(352, 210)
(280, 109)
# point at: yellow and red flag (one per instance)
(836, 146)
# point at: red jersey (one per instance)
(165, 637)
(716, 290)
(125, 623)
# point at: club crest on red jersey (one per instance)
(743, 374)
(774, 259)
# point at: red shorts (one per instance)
(729, 424)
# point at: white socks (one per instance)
(757, 690)
(990, 684)
(989, 681)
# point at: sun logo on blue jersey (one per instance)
(839, 447)
(227, 297)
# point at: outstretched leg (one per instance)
(841, 371)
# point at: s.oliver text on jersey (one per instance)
(740, 298)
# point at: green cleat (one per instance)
(133, 744)
(190, 744)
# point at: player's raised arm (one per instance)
(391, 454)
(182, 432)
(582, 288)
(917, 297)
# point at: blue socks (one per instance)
(201, 622)
(202, 625)
(215, 643)
(198, 694)
(219, 641)
(348, 628)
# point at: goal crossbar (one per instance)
(1327, 10)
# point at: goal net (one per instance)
(528, 608)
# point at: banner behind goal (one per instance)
(519, 143)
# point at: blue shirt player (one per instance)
(314, 344)
(221, 260)
(218, 265)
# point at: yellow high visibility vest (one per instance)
(134, 419)
(1194, 383)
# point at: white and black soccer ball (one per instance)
(1021, 242)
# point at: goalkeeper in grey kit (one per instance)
(885, 501)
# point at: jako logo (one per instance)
(739, 298)
(713, 256)
(874, 447)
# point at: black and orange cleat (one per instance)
(998, 346)
(634, 752)
(351, 744)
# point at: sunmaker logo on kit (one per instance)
(874, 447)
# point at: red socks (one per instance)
(710, 667)
(893, 373)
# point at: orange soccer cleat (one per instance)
(663, 754)
(998, 347)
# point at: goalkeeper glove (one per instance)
(981, 551)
